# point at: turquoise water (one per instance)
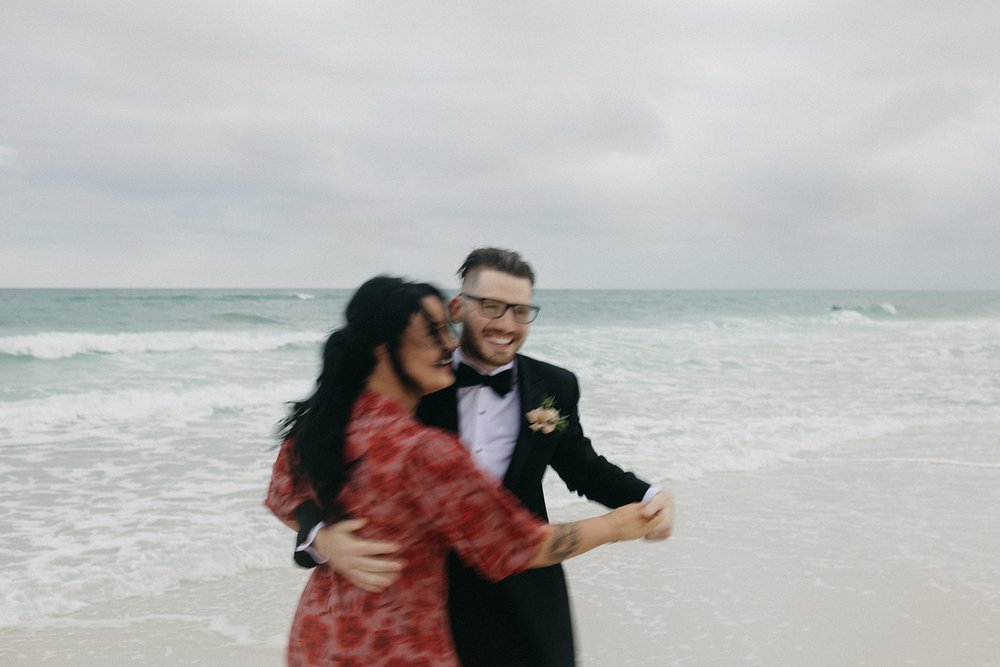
(137, 426)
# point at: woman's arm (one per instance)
(484, 522)
(566, 540)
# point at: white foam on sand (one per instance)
(929, 461)
(858, 559)
(101, 413)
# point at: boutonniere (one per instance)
(546, 418)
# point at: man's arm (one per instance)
(307, 517)
(594, 477)
(582, 469)
(364, 563)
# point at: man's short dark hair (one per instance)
(498, 259)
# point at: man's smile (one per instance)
(499, 340)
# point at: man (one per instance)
(524, 619)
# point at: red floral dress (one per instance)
(417, 486)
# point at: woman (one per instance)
(355, 447)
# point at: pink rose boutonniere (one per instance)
(546, 418)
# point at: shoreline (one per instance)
(837, 558)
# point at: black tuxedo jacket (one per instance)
(525, 619)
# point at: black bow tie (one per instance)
(501, 383)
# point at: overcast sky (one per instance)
(740, 144)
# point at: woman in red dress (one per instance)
(354, 447)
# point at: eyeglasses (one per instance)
(494, 310)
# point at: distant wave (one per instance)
(60, 345)
(196, 295)
(246, 318)
(284, 296)
(101, 295)
(874, 310)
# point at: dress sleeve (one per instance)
(485, 524)
(286, 490)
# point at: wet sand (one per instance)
(846, 560)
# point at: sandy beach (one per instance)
(821, 561)
(825, 562)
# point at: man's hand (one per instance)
(660, 506)
(361, 562)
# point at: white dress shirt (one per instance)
(488, 424)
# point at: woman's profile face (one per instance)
(426, 346)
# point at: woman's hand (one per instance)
(630, 522)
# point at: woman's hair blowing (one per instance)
(378, 313)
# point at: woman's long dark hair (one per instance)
(379, 312)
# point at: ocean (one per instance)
(137, 427)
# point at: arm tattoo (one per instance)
(565, 540)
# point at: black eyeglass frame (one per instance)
(532, 309)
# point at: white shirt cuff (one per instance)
(307, 545)
(650, 492)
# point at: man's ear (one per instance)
(455, 310)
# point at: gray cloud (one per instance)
(634, 144)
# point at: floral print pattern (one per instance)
(417, 486)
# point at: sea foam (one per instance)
(62, 345)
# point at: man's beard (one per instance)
(472, 348)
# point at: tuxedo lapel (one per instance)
(530, 386)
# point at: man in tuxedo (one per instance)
(524, 619)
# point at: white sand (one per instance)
(828, 561)
(816, 564)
